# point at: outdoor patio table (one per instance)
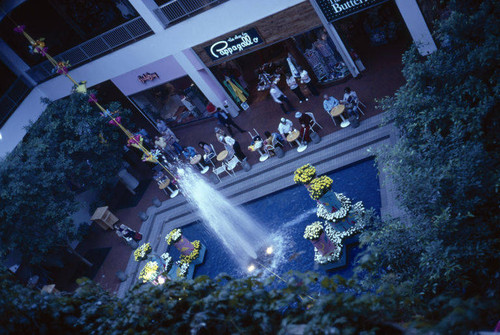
(338, 111)
(196, 160)
(263, 155)
(294, 136)
(165, 184)
(222, 155)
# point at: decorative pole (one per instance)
(38, 46)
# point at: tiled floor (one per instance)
(382, 78)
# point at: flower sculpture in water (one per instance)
(335, 209)
(182, 270)
(142, 252)
(305, 174)
(319, 186)
(174, 236)
(149, 272)
(313, 231)
(193, 255)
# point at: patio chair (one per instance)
(231, 164)
(255, 136)
(333, 118)
(314, 123)
(358, 102)
(212, 155)
(219, 170)
(270, 149)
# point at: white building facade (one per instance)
(172, 51)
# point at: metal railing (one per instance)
(91, 49)
(177, 10)
(12, 98)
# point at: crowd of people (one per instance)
(224, 133)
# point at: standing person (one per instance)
(219, 134)
(292, 83)
(279, 98)
(285, 127)
(226, 120)
(305, 122)
(235, 146)
(189, 105)
(161, 125)
(304, 78)
(173, 141)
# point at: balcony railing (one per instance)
(12, 98)
(95, 47)
(177, 10)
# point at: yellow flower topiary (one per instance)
(320, 186)
(193, 255)
(304, 174)
(149, 272)
(141, 252)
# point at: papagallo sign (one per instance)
(234, 44)
(337, 9)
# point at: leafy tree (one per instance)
(445, 167)
(69, 144)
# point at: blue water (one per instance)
(286, 213)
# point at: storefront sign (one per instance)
(337, 9)
(143, 78)
(234, 44)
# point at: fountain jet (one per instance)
(240, 234)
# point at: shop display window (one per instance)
(322, 55)
(178, 102)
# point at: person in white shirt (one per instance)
(304, 78)
(329, 103)
(235, 146)
(279, 98)
(285, 127)
(292, 83)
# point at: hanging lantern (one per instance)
(62, 67)
(92, 98)
(81, 87)
(116, 121)
(135, 141)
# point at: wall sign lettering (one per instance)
(143, 78)
(234, 44)
(337, 9)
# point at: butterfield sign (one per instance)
(337, 9)
(234, 44)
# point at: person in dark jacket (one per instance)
(226, 120)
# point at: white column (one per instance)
(332, 32)
(10, 58)
(205, 80)
(415, 22)
(145, 9)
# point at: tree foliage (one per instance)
(445, 167)
(69, 147)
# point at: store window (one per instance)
(177, 102)
(322, 55)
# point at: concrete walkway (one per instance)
(336, 150)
